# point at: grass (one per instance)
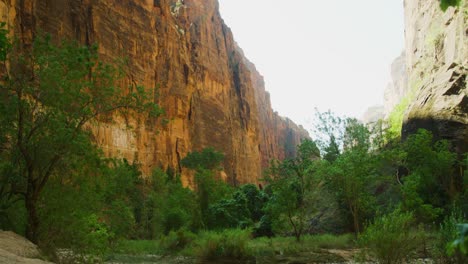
(289, 245)
(227, 244)
(138, 247)
(236, 246)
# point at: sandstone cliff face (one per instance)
(397, 89)
(212, 95)
(436, 60)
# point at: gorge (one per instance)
(212, 95)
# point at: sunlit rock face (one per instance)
(373, 114)
(397, 88)
(212, 95)
(436, 60)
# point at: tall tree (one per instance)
(292, 189)
(348, 174)
(50, 96)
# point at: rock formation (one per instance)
(212, 95)
(373, 114)
(15, 249)
(436, 61)
(398, 87)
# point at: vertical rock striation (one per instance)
(436, 61)
(212, 95)
(397, 89)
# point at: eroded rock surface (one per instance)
(213, 96)
(15, 249)
(397, 88)
(436, 60)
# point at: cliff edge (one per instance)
(212, 95)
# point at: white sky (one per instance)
(329, 54)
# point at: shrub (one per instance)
(448, 232)
(228, 244)
(389, 238)
(177, 240)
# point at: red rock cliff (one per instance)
(213, 96)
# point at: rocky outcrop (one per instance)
(436, 60)
(15, 249)
(373, 114)
(397, 88)
(212, 95)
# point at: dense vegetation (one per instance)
(399, 198)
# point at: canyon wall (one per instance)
(397, 89)
(212, 95)
(436, 61)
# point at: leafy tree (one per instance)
(329, 134)
(431, 183)
(50, 96)
(170, 206)
(292, 191)
(207, 159)
(208, 189)
(349, 175)
(240, 210)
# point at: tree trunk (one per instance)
(354, 213)
(33, 219)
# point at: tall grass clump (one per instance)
(448, 233)
(390, 239)
(229, 244)
(177, 241)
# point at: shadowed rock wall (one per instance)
(436, 61)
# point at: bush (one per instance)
(177, 240)
(228, 244)
(389, 238)
(448, 232)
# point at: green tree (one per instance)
(328, 134)
(292, 190)
(208, 189)
(207, 159)
(350, 174)
(431, 184)
(50, 96)
(172, 206)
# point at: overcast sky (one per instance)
(319, 53)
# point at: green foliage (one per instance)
(229, 244)
(395, 118)
(209, 191)
(48, 96)
(5, 44)
(445, 4)
(292, 193)
(430, 186)
(448, 233)
(170, 206)
(329, 133)
(461, 243)
(239, 210)
(348, 176)
(389, 238)
(288, 245)
(137, 247)
(207, 159)
(177, 240)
